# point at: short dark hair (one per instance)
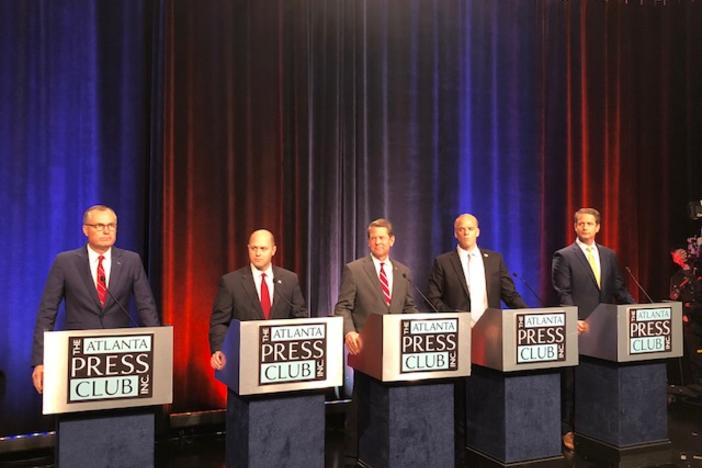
(381, 223)
(584, 211)
(87, 212)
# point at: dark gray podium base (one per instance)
(636, 456)
(475, 459)
(275, 430)
(513, 417)
(123, 438)
(621, 404)
(404, 424)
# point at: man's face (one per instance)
(466, 231)
(261, 249)
(586, 227)
(379, 242)
(101, 230)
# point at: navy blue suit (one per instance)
(575, 282)
(238, 299)
(70, 280)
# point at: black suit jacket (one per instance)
(70, 280)
(448, 291)
(237, 299)
(575, 282)
(360, 294)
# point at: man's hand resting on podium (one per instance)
(218, 360)
(38, 378)
(583, 327)
(353, 342)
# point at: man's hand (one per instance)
(218, 360)
(583, 327)
(38, 378)
(353, 342)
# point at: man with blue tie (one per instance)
(96, 283)
(585, 274)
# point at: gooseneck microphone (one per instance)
(628, 270)
(404, 275)
(531, 290)
(276, 294)
(131, 320)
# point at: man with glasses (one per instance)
(96, 283)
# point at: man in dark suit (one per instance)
(370, 285)
(258, 291)
(82, 277)
(585, 274)
(469, 278)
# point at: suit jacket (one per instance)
(448, 290)
(360, 294)
(237, 299)
(575, 282)
(70, 281)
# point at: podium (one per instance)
(274, 370)
(620, 385)
(99, 382)
(405, 414)
(513, 395)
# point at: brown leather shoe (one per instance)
(568, 441)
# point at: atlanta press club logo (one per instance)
(541, 337)
(650, 330)
(110, 367)
(428, 345)
(292, 353)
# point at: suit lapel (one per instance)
(83, 267)
(250, 290)
(116, 274)
(278, 293)
(460, 274)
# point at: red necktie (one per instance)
(384, 284)
(101, 286)
(265, 297)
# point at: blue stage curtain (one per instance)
(75, 97)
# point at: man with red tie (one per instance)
(96, 283)
(258, 291)
(374, 284)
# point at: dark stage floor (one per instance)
(204, 448)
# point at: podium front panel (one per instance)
(272, 356)
(87, 370)
(410, 347)
(526, 339)
(634, 332)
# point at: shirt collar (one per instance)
(93, 255)
(256, 272)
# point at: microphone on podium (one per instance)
(542, 303)
(404, 275)
(628, 270)
(121, 307)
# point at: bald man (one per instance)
(471, 279)
(240, 294)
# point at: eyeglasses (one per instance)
(103, 227)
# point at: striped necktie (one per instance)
(384, 284)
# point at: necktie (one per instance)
(593, 264)
(384, 284)
(101, 286)
(265, 297)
